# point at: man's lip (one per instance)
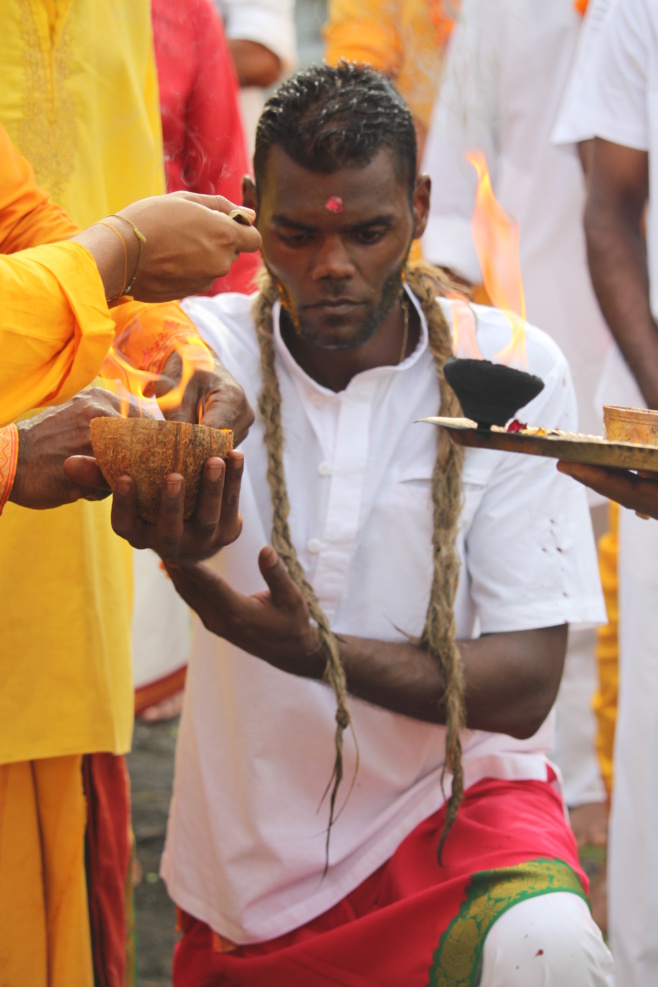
(334, 303)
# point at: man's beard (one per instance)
(390, 295)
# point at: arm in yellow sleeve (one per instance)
(55, 327)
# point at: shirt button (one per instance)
(314, 545)
(325, 469)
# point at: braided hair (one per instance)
(438, 635)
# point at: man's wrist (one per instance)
(8, 462)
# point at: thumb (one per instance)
(85, 472)
(285, 593)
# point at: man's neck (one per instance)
(396, 337)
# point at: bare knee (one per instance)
(545, 941)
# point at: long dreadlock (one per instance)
(438, 634)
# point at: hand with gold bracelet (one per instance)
(168, 246)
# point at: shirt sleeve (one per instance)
(270, 23)
(529, 548)
(55, 328)
(606, 95)
(465, 117)
(8, 462)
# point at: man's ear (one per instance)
(249, 197)
(420, 204)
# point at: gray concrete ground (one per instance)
(151, 767)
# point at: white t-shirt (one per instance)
(614, 95)
(245, 847)
(506, 68)
(270, 23)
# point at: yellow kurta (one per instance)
(78, 97)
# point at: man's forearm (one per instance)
(618, 265)
(511, 679)
(617, 257)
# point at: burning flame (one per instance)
(137, 386)
(496, 238)
(463, 325)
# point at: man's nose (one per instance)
(332, 259)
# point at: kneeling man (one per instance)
(362, 791)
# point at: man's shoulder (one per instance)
(223, 320)
(494, 329)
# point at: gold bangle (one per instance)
(104, 222)
(127, 288)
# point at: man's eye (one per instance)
(367, 237)
(296, 239)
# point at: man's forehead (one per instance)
(291, 184)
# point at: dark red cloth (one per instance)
(201, 126)
(385, 933)
(108, 863)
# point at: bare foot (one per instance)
(590, 824)
(166, 709)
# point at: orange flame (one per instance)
(137, 386)
(496, 238)
(463, 325)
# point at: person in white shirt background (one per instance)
(614, 101)
(345, 359)
(263, 41)
(506, 68)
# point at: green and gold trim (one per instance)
(489, 894)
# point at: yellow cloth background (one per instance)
(405, 39)
(75, 78)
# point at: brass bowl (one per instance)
(630, 425)
(147, 449)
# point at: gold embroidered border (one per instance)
(489, 894)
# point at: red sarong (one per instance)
(108, 851)
(413, 921)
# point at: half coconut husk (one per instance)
(147, 449)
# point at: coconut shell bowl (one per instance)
(490, 393)
(148, 449)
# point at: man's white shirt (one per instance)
(246, 842)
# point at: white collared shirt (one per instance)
(613, 94)
(505, 71)
(246, 842)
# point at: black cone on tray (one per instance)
(490, 393)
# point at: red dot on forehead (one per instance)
(334, 204)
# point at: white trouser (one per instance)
(161, 622)
(633, 840)
(549, 941)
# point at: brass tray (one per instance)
(572, 447)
